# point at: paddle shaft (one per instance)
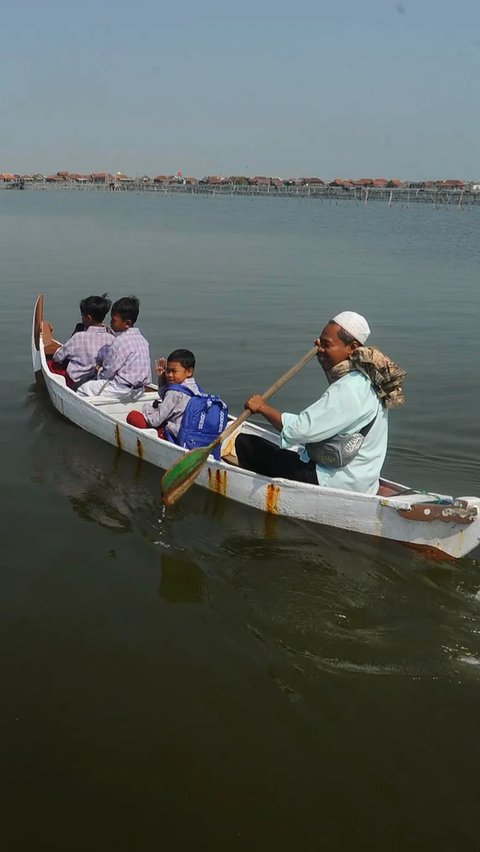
(268, 393)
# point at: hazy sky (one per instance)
(341, 88)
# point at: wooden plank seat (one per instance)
(387, 491)
(50, 345)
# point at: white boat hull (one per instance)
(415, 519)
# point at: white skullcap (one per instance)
(355, 324)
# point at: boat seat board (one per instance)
(98, 401)
(230, 459)
(51, 348)
(387, 491)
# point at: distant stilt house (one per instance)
(363, 183)
(260, 180)
(450, 184)
(341, 183)
(312, 181)
(75, 177)
(101, 177)
(122, 180)
(211, 180)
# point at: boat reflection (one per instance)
(182, 581)
(102, 484)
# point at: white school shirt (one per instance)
(347, 405)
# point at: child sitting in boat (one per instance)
(77, 359)
(184, 414)
(165, 414)
(124, 369)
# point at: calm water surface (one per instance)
(212, 679)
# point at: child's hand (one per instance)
(161, 366)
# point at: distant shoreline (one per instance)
(435, 195)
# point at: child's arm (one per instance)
(65, 351)
(101, 355)
(161, 410)
(113, 361)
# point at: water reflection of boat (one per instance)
(102, 488)
(435, 523)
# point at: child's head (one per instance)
(94, 308)
(124, 313)
(180, 366)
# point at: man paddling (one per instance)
(341, 440)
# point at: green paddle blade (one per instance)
(181, 475)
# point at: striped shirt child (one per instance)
(84, 350)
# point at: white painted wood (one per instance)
(368, 514)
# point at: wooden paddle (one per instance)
(181, 475)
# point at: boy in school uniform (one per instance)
(165, 414)
(125, 367)
(77, 359)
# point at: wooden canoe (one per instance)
(436, 523)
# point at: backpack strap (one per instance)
(180, 388)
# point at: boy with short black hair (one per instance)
(125, 368)
(96, 306)
(165, 414)
(77, 359)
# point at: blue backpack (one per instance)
(204, 418)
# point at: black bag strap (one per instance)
(366, 429)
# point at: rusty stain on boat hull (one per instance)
(218, 481)
(431, 552)
(272, 496)
(118, 438)
(139, 448)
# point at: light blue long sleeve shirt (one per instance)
(347, 405)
